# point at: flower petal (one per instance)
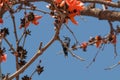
(71, 16)
(73, 20)
(79, 5)
(37, 17)
(71, 4)
(3, 58)
(35, 22)
(97, 44)
(114, 41)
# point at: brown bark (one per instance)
(102, 14)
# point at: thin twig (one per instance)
(11, 48)
(111, 27)
(21, 37)
(113, 66)
(0, 43)
(9, 44)
(25, 36)
(16, 36)
(94, 59)
(115, 51)
(112, 32)
(76, 56)
(14, 25)
(33, 73)
(40, 47)
(42, 11)
(35, 69)
(71, 33)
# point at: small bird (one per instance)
(65, 45)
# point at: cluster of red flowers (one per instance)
(29, 18)
(70, 8)
(98, 40)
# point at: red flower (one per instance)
(114, 39)
(98, 41)
(74, 8)
(3, 58)
(71, 17)
(35, 20)
(84, 46)
(1, 20)
(30, 18)
(74, 5)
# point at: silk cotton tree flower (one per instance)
(30, 18)
(84, 46)
(3, 57)
(74, 8)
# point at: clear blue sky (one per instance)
(56, 66)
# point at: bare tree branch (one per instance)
(40, 52)
(102, 14)
(108, 3)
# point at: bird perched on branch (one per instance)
(65, 45)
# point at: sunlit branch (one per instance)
(111, 4)
(102, 14)
(113, 66)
